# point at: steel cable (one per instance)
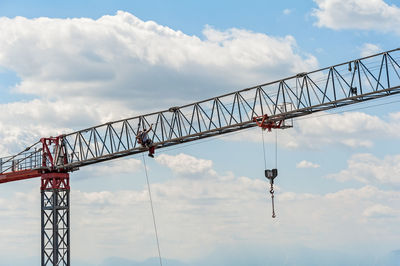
(264, 152)
(152, 209)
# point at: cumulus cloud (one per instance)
(195, 217)
(369, 49)
(180, 207)
(120, 56)
(357, 14)
(366, 168)
(20, 218)
(81, 71)
(307, 164)
(24, 123)
(395, 116)
(183, 164)
(380, 211)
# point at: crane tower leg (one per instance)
(55, 219)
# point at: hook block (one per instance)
(271, 173)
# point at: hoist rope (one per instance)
(152, 209)
(265, 152)
(276, 167)
(271, 191)
(276, 149)
(265, 156)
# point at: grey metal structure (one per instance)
(344, 84)
(55, 220)
(348, 83)
(305, 93)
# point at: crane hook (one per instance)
(272, 199)
(271, 174)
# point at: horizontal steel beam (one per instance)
(332, 87)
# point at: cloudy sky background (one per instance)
(67, 66)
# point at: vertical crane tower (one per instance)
(267, 105)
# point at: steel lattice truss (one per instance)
(55, 219)
(339, 85)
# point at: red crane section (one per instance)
(19, 175)
(27, 164)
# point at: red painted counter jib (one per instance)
(19, 175)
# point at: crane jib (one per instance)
(268, 105)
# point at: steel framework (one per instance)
(305, 93)
(55, 219)
(268, 105)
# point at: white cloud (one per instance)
(356, 143)
(187, 211)
(358, 14)
(287, 11)
(395, 116)
(24, 123)
(370, 49)
(183, 164)
(82, 72)
(307, 164)
(367, 168)
(195, 217)
(122, 56)
(380, 211)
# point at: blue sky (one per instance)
(69, 65)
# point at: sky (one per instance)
(68, 65)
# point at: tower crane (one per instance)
(268, 105)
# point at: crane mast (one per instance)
(269, 105)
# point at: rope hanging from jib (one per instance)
(270, 174)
